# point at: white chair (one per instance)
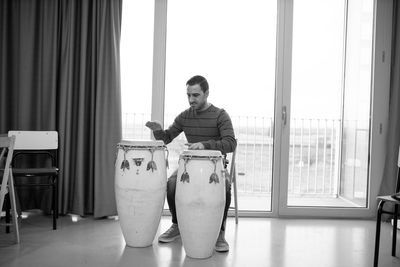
(7, 184)
(41, 148)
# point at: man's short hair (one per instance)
(200, 80)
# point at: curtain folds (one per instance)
(89, 104)
(60, 71)
(28, 76)
(388, 184)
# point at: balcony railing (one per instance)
(313, 155)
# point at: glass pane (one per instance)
(315, 102)
(324, 46)
(232, 44)
(356, 113)
(136, 67)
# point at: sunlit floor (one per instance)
(254, 242)
(262, 202)
(258, 201)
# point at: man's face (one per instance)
(196, 97)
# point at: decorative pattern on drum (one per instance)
(138, 161)
(152, 164)
(214, 176)
(185, 174)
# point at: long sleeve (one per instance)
(173, 131)
(212, 127)
(227, 141)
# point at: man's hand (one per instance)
(154, 125)
(196, 146)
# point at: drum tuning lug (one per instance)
(151, 165)
(185, 174)
(125, 162)
(125, 165)
(185, 177)
(214, 178)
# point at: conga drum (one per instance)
(200, 200)
(140, 188)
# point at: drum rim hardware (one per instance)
(151, 165)
(125, 162)
(127, 148)
(200, 157)
(185, 175)
(214, 178)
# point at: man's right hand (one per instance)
(154, 125)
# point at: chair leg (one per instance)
(14, 208)
(8, 214)
(235, 195)
(56, 190)
(54, 204)
(394, 235)
(378, 232)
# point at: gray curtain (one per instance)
(60, 71)
(28, 76)
(393, 139)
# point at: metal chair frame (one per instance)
(395, 200)
(7, 184)
(32, 144)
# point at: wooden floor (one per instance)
(254, 242)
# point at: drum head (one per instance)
(202, 153)
(142, 143)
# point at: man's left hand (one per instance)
(196, 146)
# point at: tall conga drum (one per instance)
(200, 200)
(140, 188)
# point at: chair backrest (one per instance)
(7, 145)
(35, 140)
(232, 165)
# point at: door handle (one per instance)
(284, 115)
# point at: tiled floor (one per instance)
(254, 242)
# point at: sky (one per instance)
(234, 47)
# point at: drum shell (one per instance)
(200, 206)
(140, 194)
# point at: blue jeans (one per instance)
(171, 189)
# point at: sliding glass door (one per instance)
(329, 134)
(232, 43)
(295, 76)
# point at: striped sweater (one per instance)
(212, 127)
